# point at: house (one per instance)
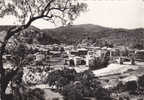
(77, 57)
(39, 57)
(139, 55)
(55, 53)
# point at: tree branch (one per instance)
(46, 7)
(59, 9)
(29, 9)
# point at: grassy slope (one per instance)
(76, 33)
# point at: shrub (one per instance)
(35, 94)
(120, 87)
(70, 92)
(124, 98)
(75, 86)
(131, 86)
(102, 94)
(59, 78)
(141, 81)
(100, 62)
(96, 64)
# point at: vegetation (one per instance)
(137, 46)
(34, 35)
(29, 94)
(26, 12)
(100, 62)
(60, 78)
(76, 86)
(98, 35)
(129, 89)
(141, 81)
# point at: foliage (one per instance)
(71, 92)
(36, 94)
(97, 34)
(28, 94)
(141, 81)
(27, 11)
(20, 55)
(102, 94)
(107, 44)
(59, 78)
(22, 92)
(88, 83)
(35, 75)
(124, 51)
(34, 35)
(100, 62)
(137, 46)
(131, 86)
(75, 86)
(50, 10)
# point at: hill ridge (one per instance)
(119, 36)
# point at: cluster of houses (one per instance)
(86, 55)
(75, 55)
(71, 55)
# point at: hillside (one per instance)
(97, 34)
(77, 33)
(31, 34)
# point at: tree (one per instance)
(100, 62)
(137, 46)
(85, 84)
(26, 12)
(60, 78)
(20, 57)
(71, 92)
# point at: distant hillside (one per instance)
(32, 34)
(97, 34)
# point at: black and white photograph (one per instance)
(71, 49)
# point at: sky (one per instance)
(109, 13)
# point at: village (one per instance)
(84, 55)
(49, 58)
(81, 58)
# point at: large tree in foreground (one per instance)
(27, 11)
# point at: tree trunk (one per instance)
(11, 32)
(2, 76)
(3, 79)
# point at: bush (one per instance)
(99, 63)
(75, 86)
(141, 81)
(131, 86)
(124, 98)
(96, 64)
(77, 91)
(120, 87)
(102, 94)
(70, 92)
(35, 94)
(59, 78)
